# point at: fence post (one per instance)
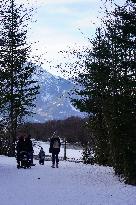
(65, 147)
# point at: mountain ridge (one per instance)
(53, 102)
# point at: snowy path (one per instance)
(71, 184)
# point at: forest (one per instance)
(73, 129)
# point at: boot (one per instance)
(18, 165)
(53, 166)
(57, 166)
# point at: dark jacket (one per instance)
(28, 145)
(24, 145)
(55, 144)
(20, 145)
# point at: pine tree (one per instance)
(18, 88)
(110, 91)
(96, 90)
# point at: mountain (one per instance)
(53, 102)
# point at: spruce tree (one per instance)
(95, 82)
(109, 91)
(19, 89)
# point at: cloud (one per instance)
(67, 1)
(54, 39)
(60, 32)
(60, 10)
(45, 2)
(87, 22)
(51, 41)
(58, 24)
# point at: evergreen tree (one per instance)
(110, 91)
(121, 110)
(95, 82)
(18, 88)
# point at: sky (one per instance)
(62, 24)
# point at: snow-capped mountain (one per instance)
(53, 102)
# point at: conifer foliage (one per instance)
(109, 91)
(18, 89)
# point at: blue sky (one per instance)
(63, 23)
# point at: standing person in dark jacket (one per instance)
(20, 147)
(29, 147)
(55, 149)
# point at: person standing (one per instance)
(29, 147)
(20, 147)
(55, 149)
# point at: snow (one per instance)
(73, 108)
(71, 184)
(70, 153)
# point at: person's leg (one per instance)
(57, 159)
(53, 159)
(32, 157)
(18, 159)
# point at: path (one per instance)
(71, 184)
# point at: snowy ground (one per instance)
(71, 184)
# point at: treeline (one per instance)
(73, 129)
(109, 91)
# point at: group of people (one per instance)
(25, 144)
